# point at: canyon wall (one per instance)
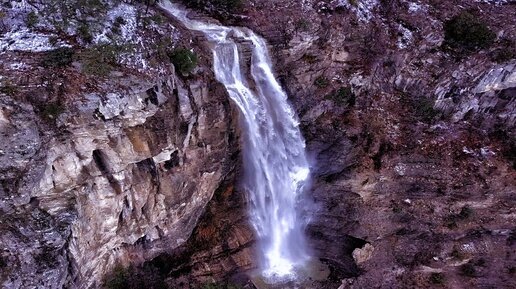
(99, 171)
(412, 147)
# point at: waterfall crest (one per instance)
(274, 159)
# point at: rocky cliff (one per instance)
(99, 170)
(412, 138)
(412, 142)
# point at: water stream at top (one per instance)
(275, 164)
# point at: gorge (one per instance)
(275, 166)
(337, 143)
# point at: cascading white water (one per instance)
(275, 163)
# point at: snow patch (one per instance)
(405, 38)
(18, 66)
(164, 155)
(363, 9)
(25, 40)
(468, 151)
(127, 29)
(495, 2)
(486, 152)
(414, 7)
(400, 169)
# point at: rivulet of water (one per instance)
(274, 159)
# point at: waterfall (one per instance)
(275, 164)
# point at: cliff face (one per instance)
(412, 141)
(412, 145)
(97, 171)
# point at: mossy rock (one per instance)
(466, 31)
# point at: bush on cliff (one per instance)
(184, 60)
(321, 82)
(505, 52)
(101, 59)
(219, 286)
(343, 96)
(32, 19)
(60, 57)
(468, 32)
(221, 5)
(134, 277)
(8, 88)
(52, 110)
(437, 278)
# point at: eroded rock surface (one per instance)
(413, 150)
(99, 171)
(413, 144)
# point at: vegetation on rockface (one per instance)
(147, 3)
(468, 270)
(220, 286)
(184, 60)
(228, 4)
(6, 87)
(161, 49)
(437, 278)
(149, 277)
(321, 82)
(97, 60)
(506, 51)
(451, 220)
(52, 110)
(148, 20)
(353, 3)
(64, 13)
(31, 20)
(465, 212)
(84, 33)
(422, 107)
(466, 31)
(309, 58)
(117, 24)
(77, 8)
(225, 5)
(134, 278)
(86, 17)
(303, 25)
(60, 57)
(343, 96)
(101, 59)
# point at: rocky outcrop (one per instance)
(413, 145)
(133, 169)
(97, 172)
(412, 148)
